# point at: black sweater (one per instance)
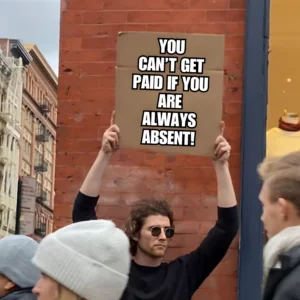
(179, 279)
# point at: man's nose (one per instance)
(162, 235)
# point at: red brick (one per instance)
(99, 42)
(66, 172)
(233, 108)
(97, 17)
(186, 240)
(101, 68)
(64, 210)
(67, 81)
(200, 214)
(143, 173)
(105, 95)
(99, 30)
(133, 184)
(94, 55)
(234, 81)
(191, 17)
(65, 198)
(69, 93)
(96, 82)
(234, 42)
(77, 120)
(185, 199)
(71, 17)
(237, 28)
(168, 27)
(237, 15)
(79, 132)
(214, 294)
(145, 4)
(128, 157)
(191, 173)
(71, 43)
(87, 106)
(209, 4)
(234, 95)
(83, 4)
(110, 198)
(112, 211)
(237, 4)
(75, 159)
(187, 227)
(208, 28)
(60, 222)
(234, 60)
(224, 283)
(65, 185)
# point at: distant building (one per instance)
(13, 59)
(38, 139)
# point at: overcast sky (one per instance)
(33, 22)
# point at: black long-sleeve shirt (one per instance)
(179, 279)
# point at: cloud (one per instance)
(33, 22)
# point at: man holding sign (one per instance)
(175, 84)
(150, 226)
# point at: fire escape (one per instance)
(41, 166)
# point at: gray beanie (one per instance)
(16, 253)
(90, 258)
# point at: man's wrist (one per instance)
(104, 155)
(221, 165)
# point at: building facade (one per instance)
(13, 61)
(38, 139)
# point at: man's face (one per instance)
(46, 289)
(273, 213)
(5, 285)
(154, 246)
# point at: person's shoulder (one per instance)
(289, 287)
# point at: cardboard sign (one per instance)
(169, 91)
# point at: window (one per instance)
(3, 96)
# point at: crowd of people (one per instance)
(95, 260)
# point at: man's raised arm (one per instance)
(88, 195)
(215, 245)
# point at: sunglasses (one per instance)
(156, 231)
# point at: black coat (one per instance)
(284, 283)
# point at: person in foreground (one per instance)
(88, 260)
(280, 198)
(150, 227)
(17, 273)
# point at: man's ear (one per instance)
(284, 207)
(136, 236)
(9, 285)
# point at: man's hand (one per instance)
(111, 137)
(222, 147)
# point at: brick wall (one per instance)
(86, 99)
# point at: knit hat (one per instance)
(16, 252)
(90, 258)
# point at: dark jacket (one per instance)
(284, 283)
(24, 294)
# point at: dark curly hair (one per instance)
(139, 213)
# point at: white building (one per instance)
(13, 59)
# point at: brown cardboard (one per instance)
(130, 103)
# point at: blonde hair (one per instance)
(282, 175)
(274, 164)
